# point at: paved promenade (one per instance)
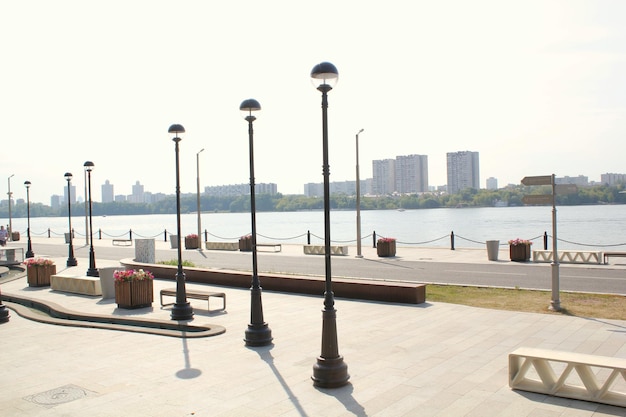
(434, 359)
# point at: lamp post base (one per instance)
(182, 312)
(330, 373)
(71, 262)
(258, 335)
(92, 272)
(4, 313)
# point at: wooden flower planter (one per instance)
(134, 294)
(519, 253)
(245, 244)
(39, 275)
(386, 248)
(192, 242)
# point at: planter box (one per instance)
(519, 253)
(39, 275)
(245, 244)
(386, 248)
(192, 242)
(134, 294)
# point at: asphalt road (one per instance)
(596, 279)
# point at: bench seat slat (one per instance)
(195, 294)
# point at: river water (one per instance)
(578, 227)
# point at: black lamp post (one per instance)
(330, 371)
(181, 310)
(71, 260)
(92, 271)
(29, 247)
(358, 199)
(258, 332)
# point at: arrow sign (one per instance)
(563, 189)
(538, 180)
(536, 199)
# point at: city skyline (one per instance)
(535, 87)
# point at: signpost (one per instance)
(555, 303)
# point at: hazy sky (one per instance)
(536, 87)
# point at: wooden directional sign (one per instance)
(538, 180)
(537, 199)
(563, 189)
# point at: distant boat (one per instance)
(400, 209)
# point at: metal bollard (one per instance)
(165, 235)
(130, 234)
(308, 237)
(374, 239)
(545, 240)
(452, 240)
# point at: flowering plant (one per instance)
(249, 236)
(192, 236)
(387, 239)
(519, 241)
(38, 262)
(128, 275)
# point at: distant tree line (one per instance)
(511, 196)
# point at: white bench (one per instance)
(275, 247)
(76, 285)
(198, 295)
(596, 387)
(321, 250)
(569, 256)
(222, 245)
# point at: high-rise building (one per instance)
(411, 174)
(463, 171)
(73, 191)
(383, 176)
(107, 192)
(492, 183)
(613, 179)
(137, 195)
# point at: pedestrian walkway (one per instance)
(433, 359)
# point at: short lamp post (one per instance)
(330, 371)
(358, 199)
(92, 271)
(181, 310)
(71, 260)
(258, 332)
(29, 247)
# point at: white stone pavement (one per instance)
(434, 359)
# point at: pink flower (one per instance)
(127, 275)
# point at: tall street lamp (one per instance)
(358, 200)
(330, 370)
(198, 195)
(86, 210)
(181, 310)
(29, 247)
(92, 271)
(10, 218)
(258, 332)
(71, 260)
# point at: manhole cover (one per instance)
(59, 395)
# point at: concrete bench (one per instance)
(222, 245)
(596, 387)
(122, 242)
(321, 250)
(608, 255)
(275, 247)
(569, 256)
(197, 295)
(76, 285)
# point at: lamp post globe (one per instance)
(330, 370)
(29, 247)
(181, 310)
(258, 332)
(92, 271)
(71, 260)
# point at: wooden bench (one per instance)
(608, 255)
(596, 387)
(222, 245)
(276, 247)
(198, 295)
(122, 242)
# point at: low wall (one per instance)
(360, 289)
